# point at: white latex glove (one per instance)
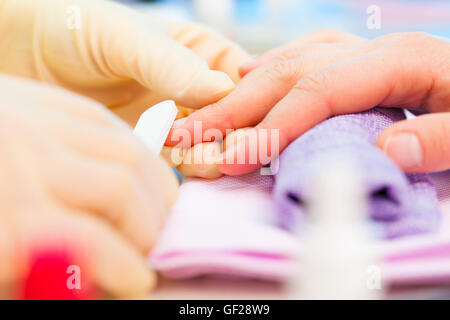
(72, 171)
(120, 57)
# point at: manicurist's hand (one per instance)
(311, 79)
(73, 174)
(124, 59)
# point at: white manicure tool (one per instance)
(154, 125)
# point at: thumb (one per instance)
(419, 145)
(140, 50)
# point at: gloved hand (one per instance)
(124, 59)
(120, 57)
(72, 171)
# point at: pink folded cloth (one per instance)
(229, 226)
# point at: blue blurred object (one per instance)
(262, 24)
(179, 175)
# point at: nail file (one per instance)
(154, 125)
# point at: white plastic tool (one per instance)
(154, 125)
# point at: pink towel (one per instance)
(229, 226)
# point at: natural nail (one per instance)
(404, 149)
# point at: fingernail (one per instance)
(404, 149)
(179, 123)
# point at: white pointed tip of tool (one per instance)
(154, 125)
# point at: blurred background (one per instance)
(259, 25)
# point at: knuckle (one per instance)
(316, 85)
(282, 71)
(294, 53)
(312, 83)
(189, 33)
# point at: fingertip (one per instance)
(221, 83)
(200, 161)
(171, 140)
(405, 149)
(206, 125)
(207, 87)
(402, 145)
(244, 69)
(142, 281)
(250, 152)
(250, 65)
(181, 134)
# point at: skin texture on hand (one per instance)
(73, 173)
(311, 81)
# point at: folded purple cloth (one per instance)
(400, 204)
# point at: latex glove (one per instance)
(72, 171)
(116, 55)
(309, 83)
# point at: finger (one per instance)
(114, 263)
(135, 201)
(321, 36)
(116, 145)
(80, 107)
(200, 161)
(110, 144)
(139, 51)
(252, 149)
(421, 144)
(111, 191)
(258, 92)
(61, 101)
(346, 88)
(173, 156)
(158, 176)
(102, 255)
(220, 53)
(239, 154)
(243, 107)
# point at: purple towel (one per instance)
(399, 204)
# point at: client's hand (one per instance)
(294, 89)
